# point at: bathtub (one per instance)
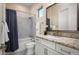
(22, 46)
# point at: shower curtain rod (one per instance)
(25, 12)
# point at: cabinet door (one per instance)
(53, 52)
(39, 49)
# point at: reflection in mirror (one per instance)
(62, 16)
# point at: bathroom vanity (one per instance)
(54, 45)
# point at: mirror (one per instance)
(62, 16)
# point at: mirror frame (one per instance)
(73, 31)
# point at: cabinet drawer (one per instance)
(52, 52)
(74, 52)
(48, 43)
(63, 49)
(66, 50)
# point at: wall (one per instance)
(41, 22)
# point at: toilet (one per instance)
(26, 47)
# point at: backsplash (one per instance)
(64, 34)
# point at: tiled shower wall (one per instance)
(26, 25)
(24, 29)
(64, 34)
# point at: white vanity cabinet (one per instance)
(46, 47)
(49, 47)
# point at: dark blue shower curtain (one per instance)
(11, 19)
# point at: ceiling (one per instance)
(29, 5)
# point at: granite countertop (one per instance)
(69, 42)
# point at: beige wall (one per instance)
(40, 28)
(18, 7)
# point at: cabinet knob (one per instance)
(65, 51)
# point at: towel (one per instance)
(5, 31)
